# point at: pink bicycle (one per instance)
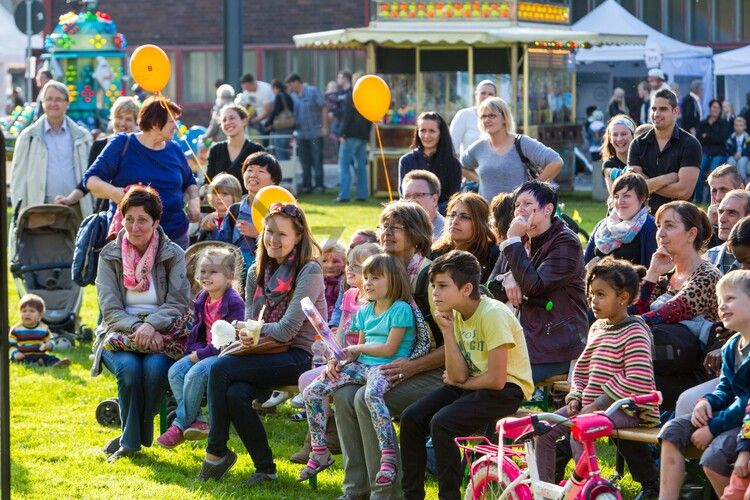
(509, 471)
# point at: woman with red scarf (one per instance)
(144, 296)
(286, 271)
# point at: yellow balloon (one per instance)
(263, 200)
(372, 97)
(150, 68)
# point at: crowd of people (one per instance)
(441, 310)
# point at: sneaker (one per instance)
(276, 399)
(217, 470)
(340, 200)
(319, 190)
(198, 430)
(62, 363)
(260, 477)
(171, 438)
(297, 401)
(112, 446)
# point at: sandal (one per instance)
(315, 464)
(300, 416)
(386, 477)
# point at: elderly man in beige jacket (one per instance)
(51, 155)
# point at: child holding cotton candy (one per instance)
(217, 304)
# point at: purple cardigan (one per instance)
(232, 308)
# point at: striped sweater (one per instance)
(616, 362)
(28, 340)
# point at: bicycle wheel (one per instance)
(486, 484)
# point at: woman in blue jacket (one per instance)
(629, 231)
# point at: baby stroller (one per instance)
(108, 410)
(41, 243)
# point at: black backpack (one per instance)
(91, 238)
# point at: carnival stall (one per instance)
(431, 53)
(86, 52)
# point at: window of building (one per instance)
(725, 16)
(629, 5)
(200, 69)
(676, 26)
(445, 74)
(248, 62)
(701, 22)
(651, 13)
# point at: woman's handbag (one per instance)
(265, 345)
(285, 119)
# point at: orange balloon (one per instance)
(150, 68)
(263, 200)
(372, 97)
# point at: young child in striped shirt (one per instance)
(30, 340)
(615, 364)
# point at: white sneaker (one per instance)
(276, 399)
(297, 401)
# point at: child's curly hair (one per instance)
(621, 275)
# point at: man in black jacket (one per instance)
(692, 110)
(354, 134)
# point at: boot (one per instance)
(332, 438)
(301, 456)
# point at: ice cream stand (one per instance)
(432, 53)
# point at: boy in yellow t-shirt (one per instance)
(487, 374)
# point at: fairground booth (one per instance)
(432, 53)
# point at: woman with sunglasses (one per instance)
(432, 150)
(494, 161)
(467, 228)
(286, 271)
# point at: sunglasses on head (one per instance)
(289, 209)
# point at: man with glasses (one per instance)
(423, 188)
(51, 155)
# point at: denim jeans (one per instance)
(188, 381)
(233, 383)
(353, 149)
(280, 145)
(310, 153)
(708, 164)
(741, 165)
(141, 385)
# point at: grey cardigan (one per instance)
(293, 325)
(170, 280)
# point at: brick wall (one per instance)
(199, 22)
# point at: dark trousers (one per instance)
(310, 153)
(233, 383)
(447, 413)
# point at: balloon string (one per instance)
(183, 138)
(385, 168)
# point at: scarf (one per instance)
(277, 290)
(332, 287)
(136, 268)
(423, 341)
(412, 268)
(614, 233)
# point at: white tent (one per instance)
(672, 56)
(12, 49)
(733, 66)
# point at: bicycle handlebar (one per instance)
(652, 398)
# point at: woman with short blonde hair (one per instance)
(502, 160)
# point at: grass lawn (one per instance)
(56, 441)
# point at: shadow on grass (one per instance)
(19, 479)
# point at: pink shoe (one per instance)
(198, 430)
(171, 438)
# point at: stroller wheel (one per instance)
(86, 334)
(63, 341)
(108, 413)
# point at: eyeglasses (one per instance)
(390, 229)
(489, 116)
(460, 216)
(55, 100)
(289, 209)
(414, 196)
